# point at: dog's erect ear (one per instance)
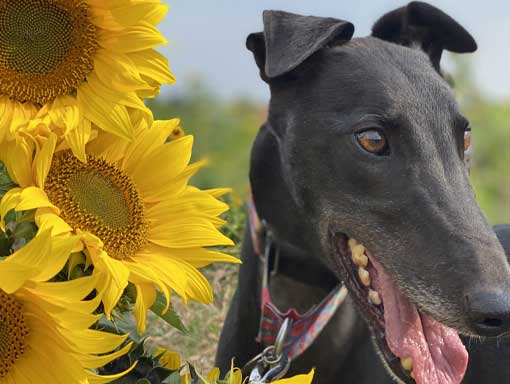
(289, 39)
(423, 25)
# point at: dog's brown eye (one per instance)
(373, 141)
(467, 139)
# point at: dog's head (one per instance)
(371, 144)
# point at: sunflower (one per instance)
(79, 62)
(44, 326)
(131, 204)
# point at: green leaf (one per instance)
(120, 324)
(25, 230)
(5, 244)
(171, 317)
(158, 374)
(174, 378)
(5, 182)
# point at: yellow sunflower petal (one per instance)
(32, 198)
(98, 379)
(191, 201)
(14, 275)
(63, 113)
(176, 187)
(22, 114)
(18, 161)
(218, 192)
(145, 297)
(299, 379)
(105, 113)
(108, 146)
(6, 111)
(43, 158)
(214, 375)
(113, 280)
(61, 248)
(153, 65)
(116, 17)
(136, 38)
(73, 290)
(91, 361)
(235, 375)
(78, 138)
(175, 155)
(43, 257)
(187, 232)
(150, 12)
(147, 141)
(119, 72)
(48, 219)
(142, 274)
(97, 342)
(79, 314)
(9, 201)
(197, 257)
(169, 359)
(183, 278)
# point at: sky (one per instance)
(207, 38)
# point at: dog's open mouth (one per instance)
(415, 347)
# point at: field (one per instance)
(224, 131)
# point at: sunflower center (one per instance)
(13, 332)
(99, 198)
(35, 36)
(46, 48)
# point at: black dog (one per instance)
(359, 175)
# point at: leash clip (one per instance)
(273, 363)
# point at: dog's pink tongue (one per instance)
(439, 357)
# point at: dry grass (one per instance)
(204, 322)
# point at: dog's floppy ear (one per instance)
(289, 39)
(423, 25)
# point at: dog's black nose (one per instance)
(489, 312)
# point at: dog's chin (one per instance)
(407, 344)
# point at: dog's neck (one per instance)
(276, 206)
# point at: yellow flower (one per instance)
(44, 326)
(79, 62)
(131, 204)
(298, 379)
(169, 359)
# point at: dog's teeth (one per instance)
(407, 363)
(360, 260)
(358, 255)
(374, 297)
(352, 243)
(364, 276)
(355, 246)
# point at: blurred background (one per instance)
(221, 100)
